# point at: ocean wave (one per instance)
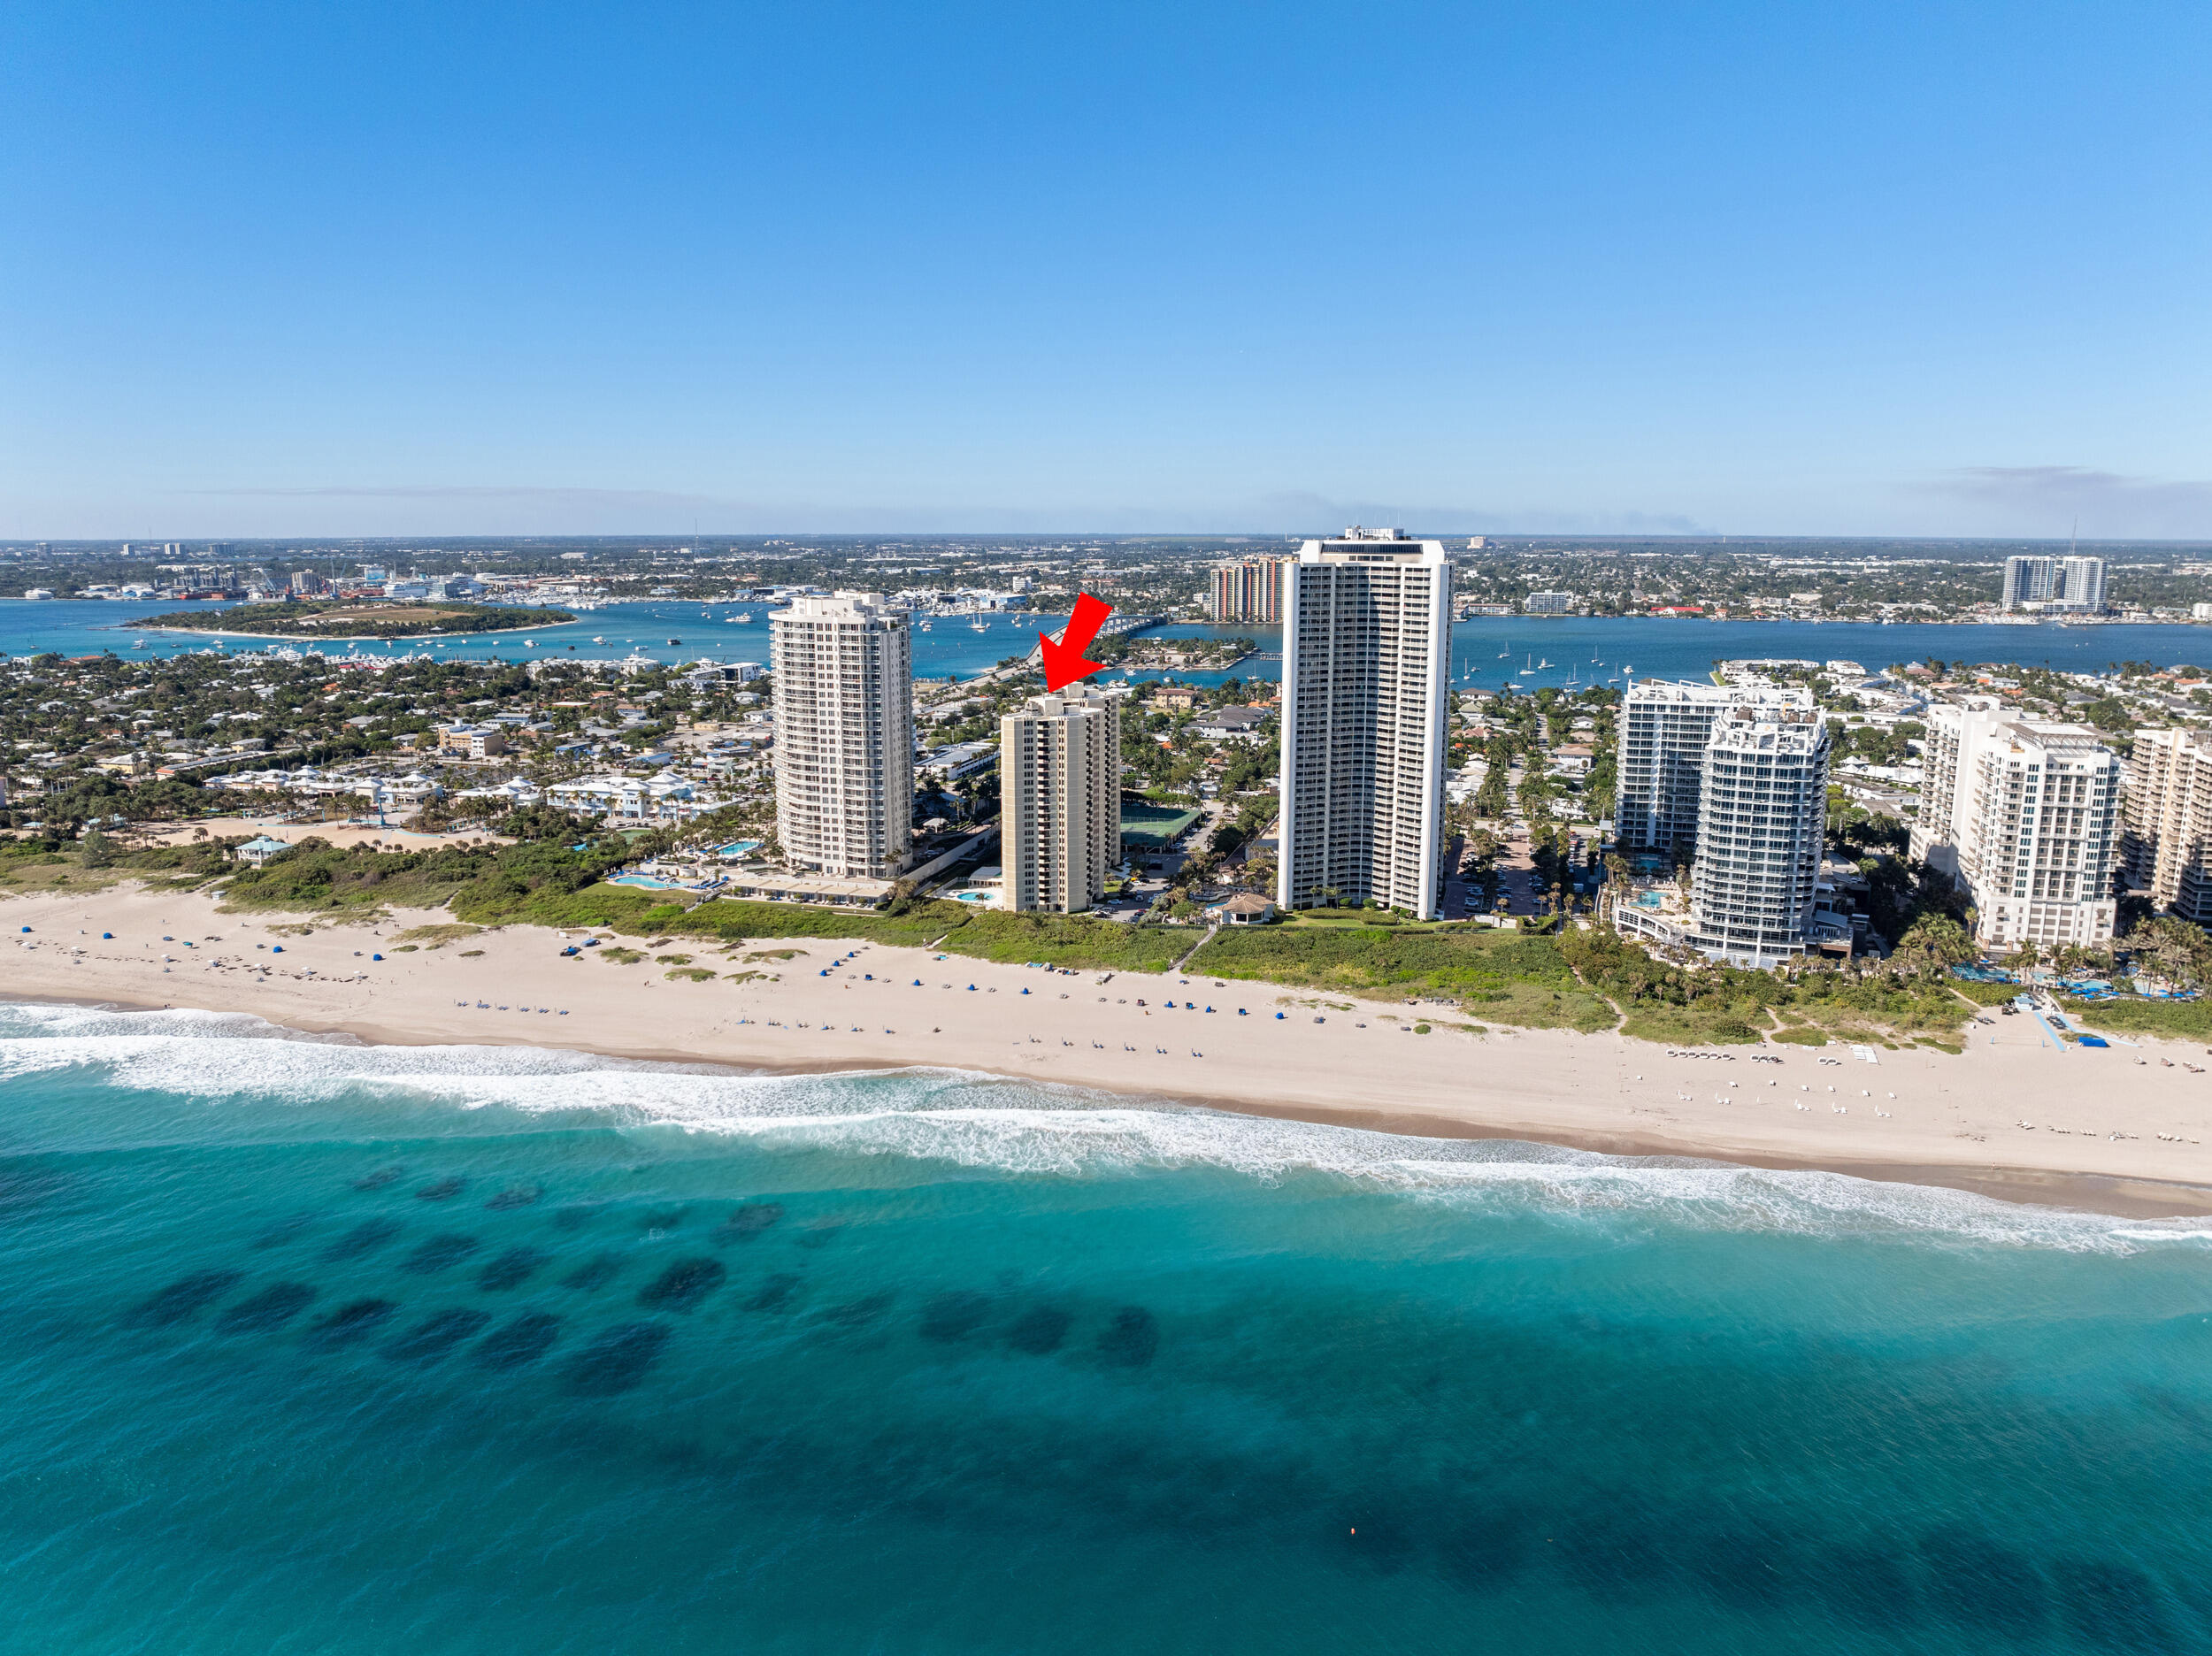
(993, 1123)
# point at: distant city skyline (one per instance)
(282, 271)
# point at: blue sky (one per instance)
(421, 269)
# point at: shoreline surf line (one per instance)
(2115, 1196)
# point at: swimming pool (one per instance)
(739, 848)
(975, 896)
(646, 880)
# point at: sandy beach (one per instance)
(2127, 1129)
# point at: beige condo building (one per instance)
(1060, 793)
(2167, 837)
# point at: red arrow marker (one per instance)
(1064, 661)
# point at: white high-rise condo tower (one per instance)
(1761, 806)
(844, 735)
(2027, 579)
(1060, 785)
(2081, 583)
(1366, 667)
(2024, 816)
(1665, 731)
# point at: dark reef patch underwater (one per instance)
(307, 1346)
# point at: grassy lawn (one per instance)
(2177, 1020)
(1696, 1026)
(1075, 940)
(57, 872)
(1502, 976)
(1984, 993)
(621, 908)
(1382, 918)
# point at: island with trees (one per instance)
(356, 618)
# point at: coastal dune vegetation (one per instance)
(564, 887)
(1573, 978)
(1912, 998)
(1503, 975)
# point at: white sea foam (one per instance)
(990, 1123)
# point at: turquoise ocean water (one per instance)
(307, 1346)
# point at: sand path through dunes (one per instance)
(2014, 1116)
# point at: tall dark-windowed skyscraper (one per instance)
(1366, 663)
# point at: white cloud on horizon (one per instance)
(2045, 500)
(444, 509)
(1968, 502)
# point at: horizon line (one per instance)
(29, 542)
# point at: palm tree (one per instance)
(1936, 940)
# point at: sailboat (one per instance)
(1541, 666)
(1503, 654)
